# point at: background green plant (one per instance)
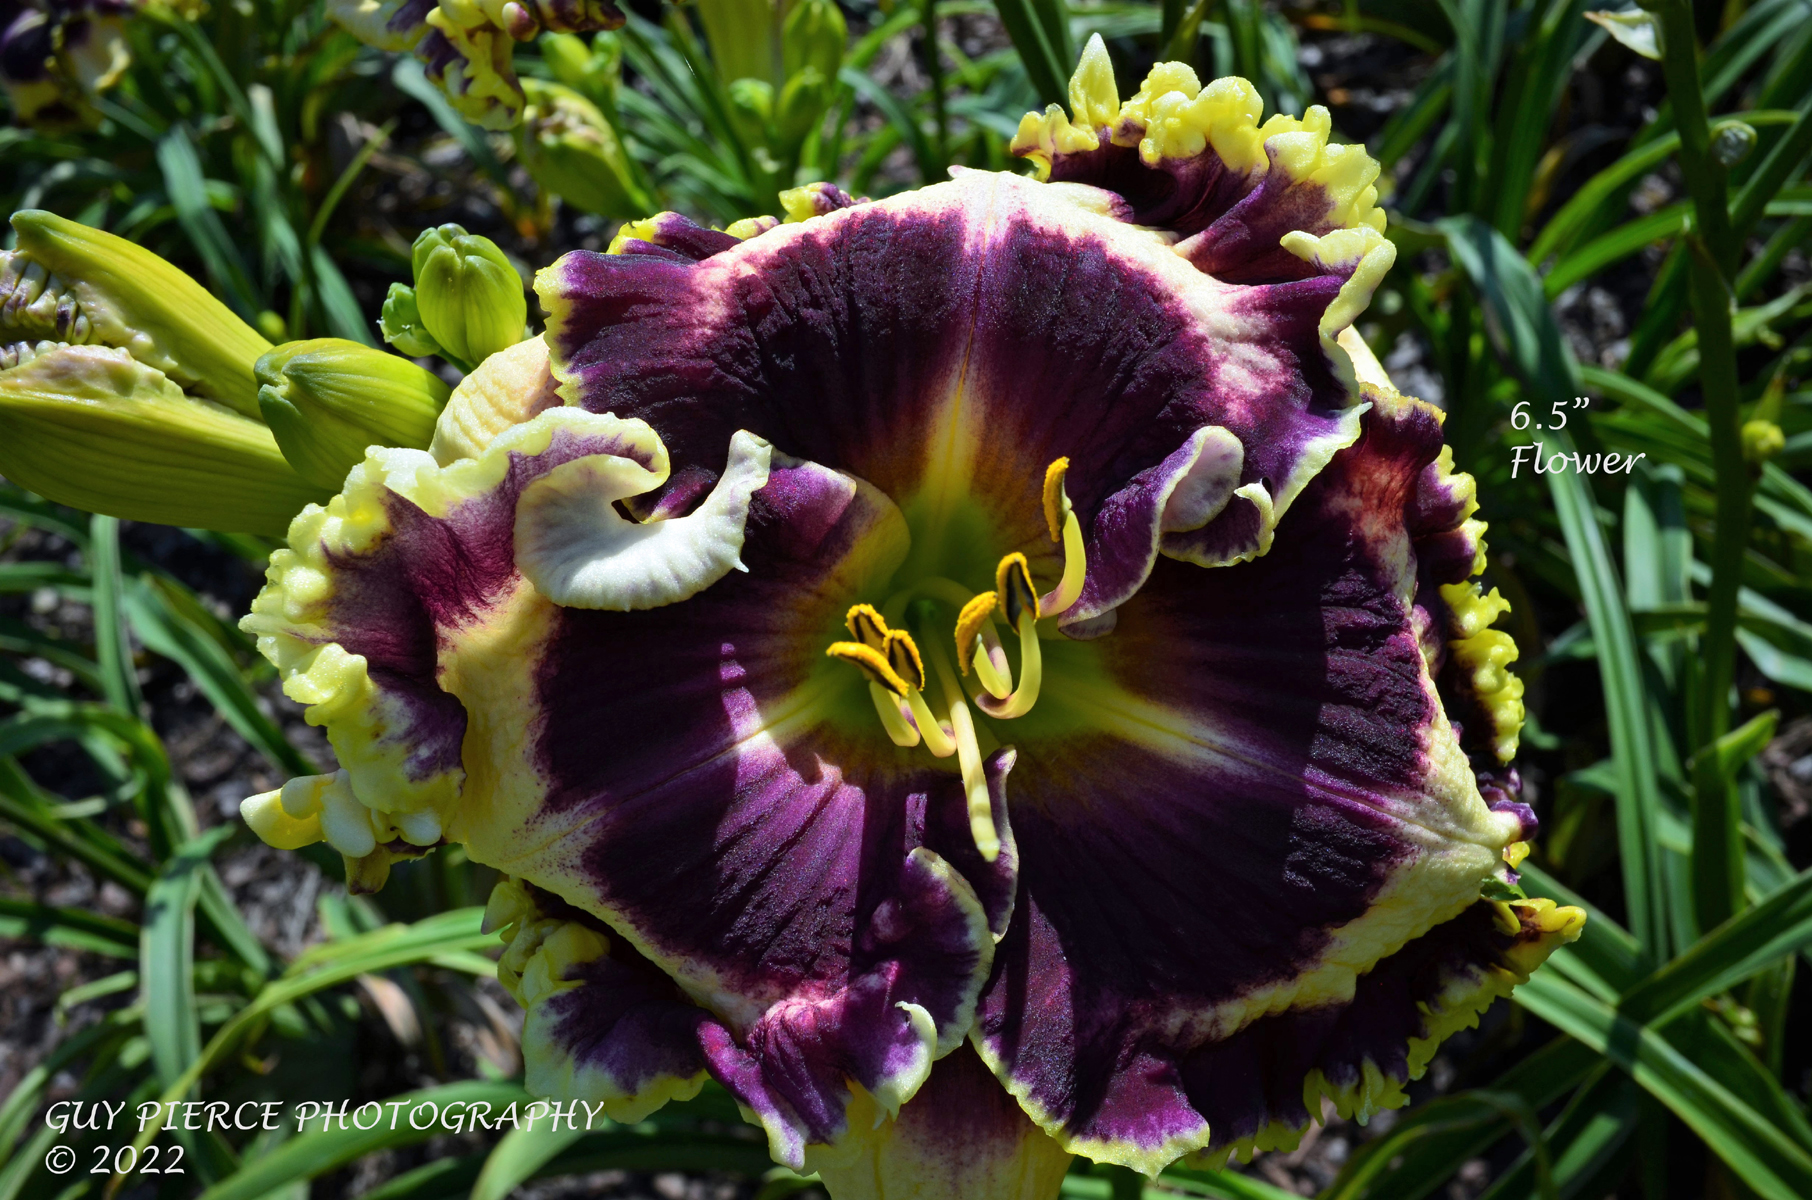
(1664, 616)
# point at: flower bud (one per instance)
(105, 289)
(814, 36)
(594, 71)
(94, 427)
(1732, 142)
(326, 400)
(469, 296)
(569, 149)
(401, 324)
(802, 104)
(1762, 440)
(751, 109)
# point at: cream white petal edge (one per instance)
(580, 552)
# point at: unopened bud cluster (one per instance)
(467, 303)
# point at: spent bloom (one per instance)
(977, 673)
(467, 47)
(56, 56)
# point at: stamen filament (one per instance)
(968, 758)
(936, 740)
(990, 664)
(899, 729)
(1031, 674)
(1075, 567)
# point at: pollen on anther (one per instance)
(1013, 580)
(866, 626)
(1056, 503)
(969, 624)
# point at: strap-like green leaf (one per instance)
(1767, 1159)
(1778, 927)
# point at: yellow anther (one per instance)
(872, 663)
(1515, 852)
(903, 656)
(1056, 502)
(1013, 581)
(866, 626)
(969, 624)
(975, 629)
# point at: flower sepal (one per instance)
(401, 324)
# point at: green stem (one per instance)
(934, 69)
(112, 645)
(1126, 1184)
(1711, 256)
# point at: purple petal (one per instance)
(1259, 801)
(949, 344)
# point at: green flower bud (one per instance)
(814, 37)
(594, 71)
(1762, 440)
(327, 399)
(94, 427)
(569, 149)
(751, 109)
(802, 105)
(401, 324)
(1732, 142)
(469, 296)
(68, 282)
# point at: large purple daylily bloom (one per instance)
(975, 672)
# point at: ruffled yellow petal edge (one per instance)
(1539, 926)
(540, 952)
(1173, 116)
(804, 203)
(1482, 655)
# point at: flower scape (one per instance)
(987, 675)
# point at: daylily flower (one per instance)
(977, 672)
(468, 46)
(56, 56)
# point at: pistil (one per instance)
(968, 757)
